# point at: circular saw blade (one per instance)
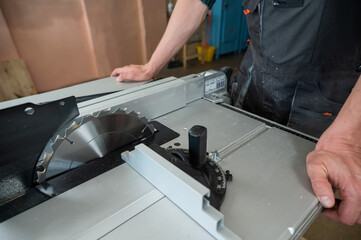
(88, 138)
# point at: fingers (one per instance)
(349, 211)
(325, 167)
(318, 174)
(345, 211)
(121, 77)
(115, 72)
(131, 72)
(122, 74)
(332, 213)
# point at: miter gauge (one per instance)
(196, 162)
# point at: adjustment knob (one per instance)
(197, 138)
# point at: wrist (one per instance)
(344, 131)
(150, 69)
(347, 125)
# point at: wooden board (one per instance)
(15, 80)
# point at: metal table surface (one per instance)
(99, 86)
(270, 196)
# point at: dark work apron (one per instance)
(302, 63)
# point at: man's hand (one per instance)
(337, 162)
(186, 18)
(133, 72)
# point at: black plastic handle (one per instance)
(197, 137)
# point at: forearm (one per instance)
(336, 162)
(347, 125)
(185, 19)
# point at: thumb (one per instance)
(318, 174)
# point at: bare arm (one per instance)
(336, 161)
(185, 19)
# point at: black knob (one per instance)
(197, 137)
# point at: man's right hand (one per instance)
(133, 73)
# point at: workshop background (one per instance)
(65, 42)
(47, 45)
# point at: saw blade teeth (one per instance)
(101, 113)
(47, 150)
(113, 109)
(84, 120)
(62, 134)
(119, 111)
(68, 131)
(42, 167)
(133, 114)
(142, 115)
(57, 142)
(71, 128)
(143, 119)
(151, 128)
(58, 137)
(74, 125)
(94, 114)
(47, 157)
(104, 112)
(79, 121)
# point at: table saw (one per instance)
(167, 159)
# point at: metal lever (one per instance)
(197, 138)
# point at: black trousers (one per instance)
(302, 63)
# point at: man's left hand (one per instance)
(336, 162)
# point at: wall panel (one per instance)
(51, 37)
(155, 22)
(65, 42)
(115, 30)
(7, 48)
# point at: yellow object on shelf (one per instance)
(208, 53)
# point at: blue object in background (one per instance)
(228, 31)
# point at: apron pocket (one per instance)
(309, 122)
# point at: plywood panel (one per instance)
(155, 22)
(7, 48)
(53, 38)
(65, 42)
(115, 30)
(15, 80)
